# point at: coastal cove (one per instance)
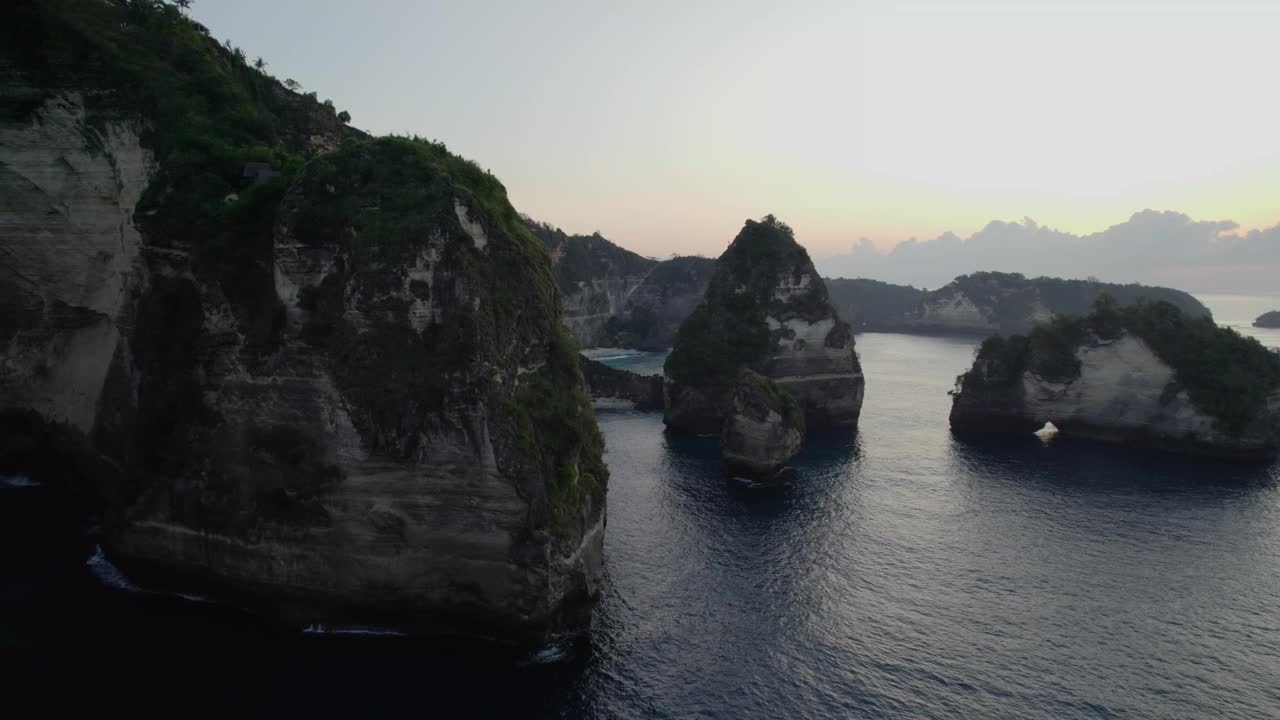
(899, 573)
(307, 418)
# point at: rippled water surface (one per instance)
(899, 573)
(903, 573)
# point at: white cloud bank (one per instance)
(1163, 248)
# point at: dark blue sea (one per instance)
(897, 573)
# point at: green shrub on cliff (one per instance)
(556, 431)
(1226, 375)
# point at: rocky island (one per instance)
(318, 375)
(766, 310)
(985, 302)
(1144, 375)
(1268, 320)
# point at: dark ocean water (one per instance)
(898, 573)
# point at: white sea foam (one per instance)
(318, 629)
(112, 577)
(109, 574)
(17, 481)
(553, 652)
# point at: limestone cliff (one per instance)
(596, 278)
(616, 298)
(764, 429)
(984, 302)
(765, 309)
(1144, 375)
(339, 393)
(72, 254)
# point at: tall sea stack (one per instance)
(765, 310)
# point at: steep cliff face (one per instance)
(596, 278)
(616, 298)
(342, 394)
(984, 302)
(766, 309)
(1145, 376)
(764, 429)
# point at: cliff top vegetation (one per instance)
(1061, 296)
(728, 330)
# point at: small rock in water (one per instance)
(1047, 432)
(765, 430)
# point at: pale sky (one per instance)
(664, 124)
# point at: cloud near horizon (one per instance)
(1153, 247)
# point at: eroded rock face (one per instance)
(1124, 394)
(661, 303)
(955, 311)
(69, 255)
(765, 429)
(766, 309)
(419, 450)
